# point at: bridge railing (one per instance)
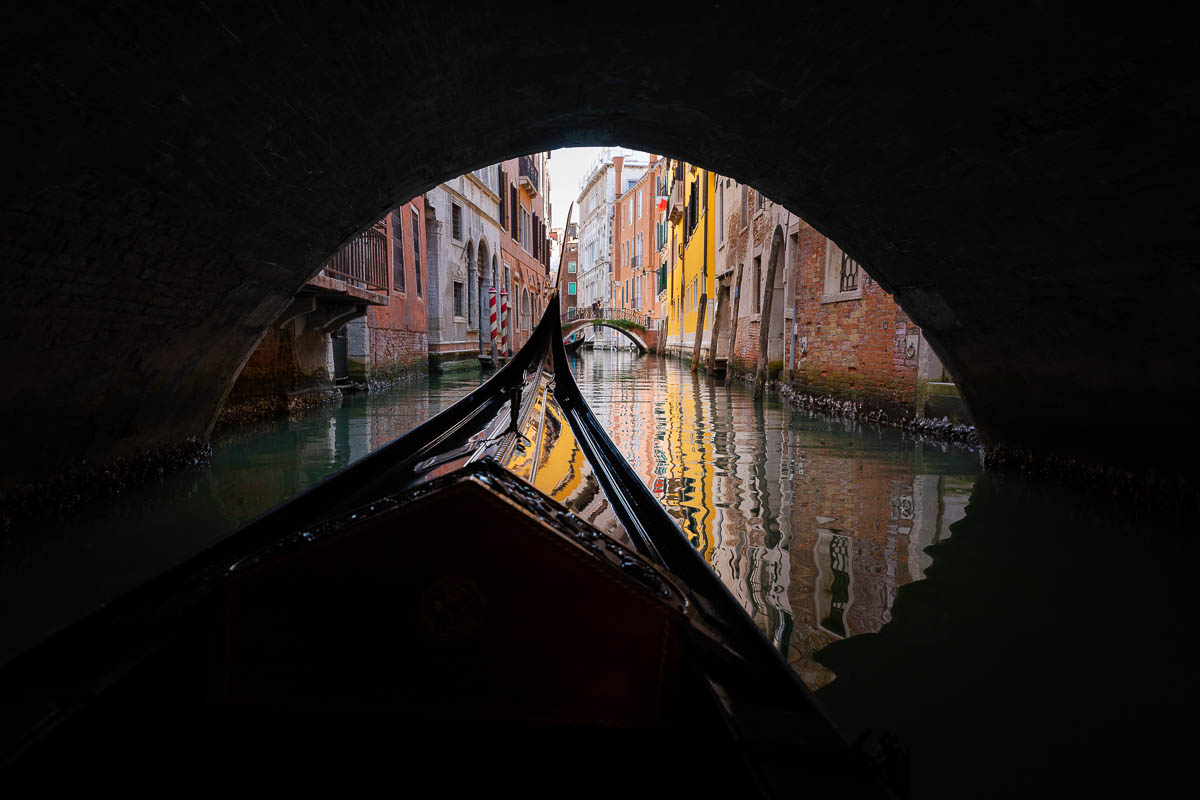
(593, 312)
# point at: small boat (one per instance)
(573, 345)
(493, 600)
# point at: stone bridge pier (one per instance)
(1023, 182)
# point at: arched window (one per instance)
(527, 311)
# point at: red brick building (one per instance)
(398, 344)
(833, 331)
(524, 243)
(362, 319)
(568, 285)
(635, 263)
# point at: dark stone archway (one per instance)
(1022, 183)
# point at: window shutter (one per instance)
(397, 252)
(516, 212)
(416, 229)
(503, 200)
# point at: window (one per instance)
(720, 216)
(848, 274)
(503, 197)
(571, 288)
(458, 299)
(637, 256)
(758, 200)
(571, 267)
(842, 279)
(745, 201)
(456, 221)
(526, 230)
(757, 284)
(639, 203)
(514, 220)
(397, 253)
(416, 242)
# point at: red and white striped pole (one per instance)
(504, 323)
(492, 312)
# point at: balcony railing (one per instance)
(635, 261)
(675, 204)
(363, 261)
(528, 175)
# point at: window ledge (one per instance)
(460, 319)
(841, 297)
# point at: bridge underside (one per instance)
(638, 338)
(1022, 183)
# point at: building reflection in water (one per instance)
(812, 523)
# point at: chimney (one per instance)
(618, 163)
(653, 159)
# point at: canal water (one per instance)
(997, 631)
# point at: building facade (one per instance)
(568, 278)
(362, 319)
(524, 244)
(597, 197)
(391, 341)
(690, 258)
(635, 281)
(828, 329)
(464, 261)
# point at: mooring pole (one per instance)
(504, 323)
(492, 313)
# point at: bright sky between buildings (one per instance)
(568, 165)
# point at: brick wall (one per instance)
(855, 348)
(282, 364)
(398, 338)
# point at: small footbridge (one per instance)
(633, 325)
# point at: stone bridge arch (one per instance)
(1022, 182)
(645, 340)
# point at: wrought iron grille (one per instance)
(849, 274)
(528, 169)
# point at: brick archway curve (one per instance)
(632, 336)
(1021, 182)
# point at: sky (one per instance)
(568, 165)
(567, 168)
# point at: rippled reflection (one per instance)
(813, 524)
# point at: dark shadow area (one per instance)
(1049, 652)
(1020, 179)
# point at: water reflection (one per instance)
(813, 524)
(59, 570)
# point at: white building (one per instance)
(597, 194)
(463, 242)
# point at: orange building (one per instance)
(524, 243)
(635, 257)
(568, 286)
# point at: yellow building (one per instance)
(691, 244)
(684, 464)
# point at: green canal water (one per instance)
(1008, 636)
